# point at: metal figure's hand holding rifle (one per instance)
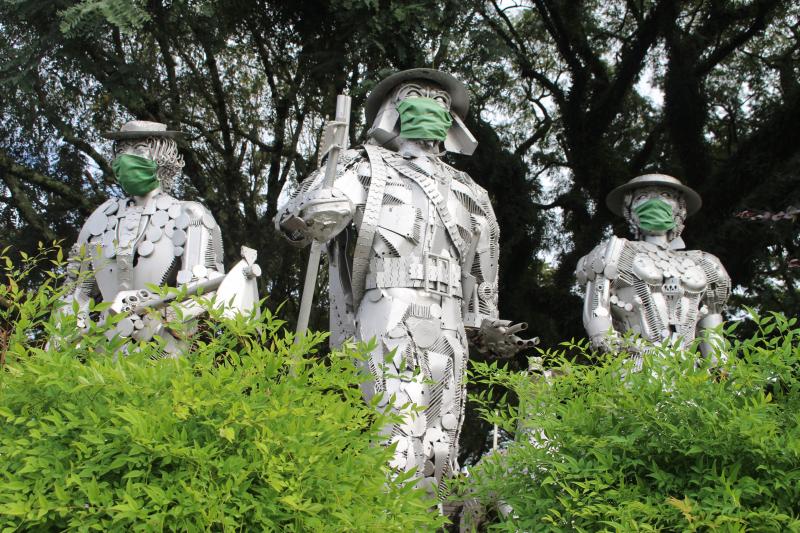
(231, 292)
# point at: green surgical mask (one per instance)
(655, 215)
(135, 174)
(423, 118)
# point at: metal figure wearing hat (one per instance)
(650, 286)
(151, 238)
(413, 257)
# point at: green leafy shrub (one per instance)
(675, 447)
(227, 439)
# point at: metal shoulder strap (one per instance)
(369, 222)
(428, 185)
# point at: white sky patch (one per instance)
(646, 87)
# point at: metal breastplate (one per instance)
(134, 246)
(668, 287)
(413, 246)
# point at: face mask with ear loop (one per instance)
(423, 119)
(135, 174)
(655, 215)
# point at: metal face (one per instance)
(140, 147)
(666, 194)
(423, 90)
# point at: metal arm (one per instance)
(717, 293)
(480, 273)
(80, 278)
(597, 314)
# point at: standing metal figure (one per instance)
(650, 286)
(150, 237)
(413, 258)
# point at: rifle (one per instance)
(236, 291)
(336, 132)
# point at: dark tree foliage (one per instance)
(570, 98)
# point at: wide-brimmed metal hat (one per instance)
(616, 198)
(136, 129)
(459, 98)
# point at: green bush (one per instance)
(227, 439)
(675, 447)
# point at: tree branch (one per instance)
(516, 45)
(14, 171)
(762, 10)
(630, 65)
(23, 204)
(541, 131)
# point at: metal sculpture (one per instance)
(650, 286)
(412, 247)
(151, 238)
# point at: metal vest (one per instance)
(660, 294)
(164, 242)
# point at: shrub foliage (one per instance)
(675, 447)
(226, 439)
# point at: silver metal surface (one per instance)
(179, 237)
(145, 248)
(159, 219)
(154, 233)
(164, 202)
(423, 238)
(650, 286)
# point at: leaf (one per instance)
(227, 433)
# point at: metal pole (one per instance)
(308, 289)
(342, 122)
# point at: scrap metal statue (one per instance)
(412, 247)
(650, 286)
(151, 238)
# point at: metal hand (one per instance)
(326, 212)
(499, 337)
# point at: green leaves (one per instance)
(226, 439)
(678, 446)
(90, 16)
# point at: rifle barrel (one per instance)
(191, 289)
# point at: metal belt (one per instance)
(369, 222)
(434, 273)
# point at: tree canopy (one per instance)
(570, 98)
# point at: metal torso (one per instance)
(657, 293)
(134, 246)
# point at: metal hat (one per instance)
(616, 198)
(137, 129)
(459, 98)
